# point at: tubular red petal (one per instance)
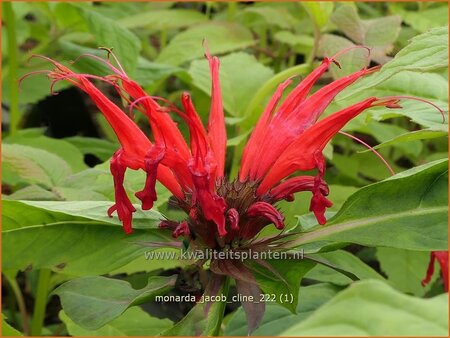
(212, 205)
(300, 92)
(199, 141)
(216, 125)
(286, 127)
(300, 155)
(257, 137)
(286, 189)
(233, 217)
(181, 230)
(268, 211)
(123, 204)
(442, 258)
(163, 127)
(152, 160)
(319, 203)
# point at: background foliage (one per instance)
(56, 183)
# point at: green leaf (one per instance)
(428, 86)
(196, 322)
(61, 148)
(424, 134)
(108, 33)
(8, 330)
(343, 260)
(15, 214)
(25, 164)
(381, 31)
(423, 20)
(237, 70)
(222, 37)
(412, 207)
(406, 269)
(271, 16)
(285, 288)
(33, 193)
(350, 62)
(294, 40)
(426, 52)
(163, 19)
(73, 237)
(92, 302)
(361, 308)
(94, 146)
(319, 11)
(133, 322)
(277, 318)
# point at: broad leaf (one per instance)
(92, 302)
(277, 318)
(426, 52)
(222, 37)
(204, 319)
(133, 322)
(35, 237)
(8, 330)
(61, 148)
(163, 19)
(280, 279)
(343, 260)
(406, 269)
(364, 306)
(25, 164)
(108, 33)
(412, 207)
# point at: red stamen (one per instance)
(371, 149)
(268, 211)
(441, 111)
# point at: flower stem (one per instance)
(225, 290)
(231, 10)
(41, 302)
(10, 22)
(20, 302)
(258, 99)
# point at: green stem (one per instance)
(251, 117)
(231, 10)
(313, 54)
(41, 302)
(10, 22)
(225, 290)
(20, 302)
(163, 38)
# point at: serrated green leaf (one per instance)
(163, 19)
(406, 269)
(359, 310)
(343, 260)
(92, 302)
(277, 318)
(222, 37)
(83, 239)
(412, 207)
(25, 164)
(133, 322)
(108, 33)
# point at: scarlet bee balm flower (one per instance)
(286, 139)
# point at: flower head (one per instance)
(287, 139)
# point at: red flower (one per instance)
(442, 258)
(286, 139)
